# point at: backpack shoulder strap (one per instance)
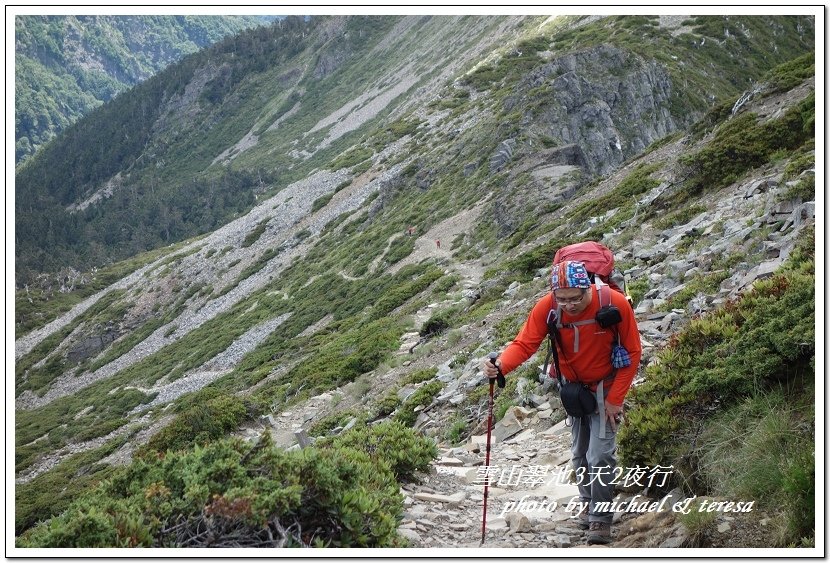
(607, 293)
(603, 295)
(554, 323)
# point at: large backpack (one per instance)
(599, 263)
(598, 260)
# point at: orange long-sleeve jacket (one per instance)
(592, 362)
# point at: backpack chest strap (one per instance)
(556, 314)
(602, 295)
(576, 326)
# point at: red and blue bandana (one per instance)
(569, 274)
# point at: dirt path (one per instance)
(437, 243)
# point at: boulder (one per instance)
(502, 155)
(518, 522)
(512, 289)
(508, 426)
(445, 374)
(496, 524)
(411, 535)
(561, 540)
(759, 187)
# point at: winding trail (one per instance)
(426, 246)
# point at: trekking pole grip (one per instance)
(493, 356)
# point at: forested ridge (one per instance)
(120, 138)
(151, 150)
(68, 65)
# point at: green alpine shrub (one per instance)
(200, 423)
(422, 397)
(727, 404)
(238, 494)
(391, 443)
(765, 338)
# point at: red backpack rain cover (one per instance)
(597, 258)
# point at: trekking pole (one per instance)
(500, 378)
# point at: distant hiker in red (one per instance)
(438, 243)
(597, 360)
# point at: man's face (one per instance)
(573, 299)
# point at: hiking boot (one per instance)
(599, 532)
(582, 518)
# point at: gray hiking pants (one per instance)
(594, 461)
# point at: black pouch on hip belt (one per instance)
(577, 399)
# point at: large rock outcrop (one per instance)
(610, 102)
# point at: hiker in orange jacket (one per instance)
(584, 351)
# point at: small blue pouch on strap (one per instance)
(620, 357)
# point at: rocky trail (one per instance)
(532, 498)
(444, 509)
(531, 493)
(568, 151)
(530, 488)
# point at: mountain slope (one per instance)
(198, 143)
(165, 182)
(67, 65)
(297, 307)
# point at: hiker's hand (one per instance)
(489, 369)
(613, 413)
